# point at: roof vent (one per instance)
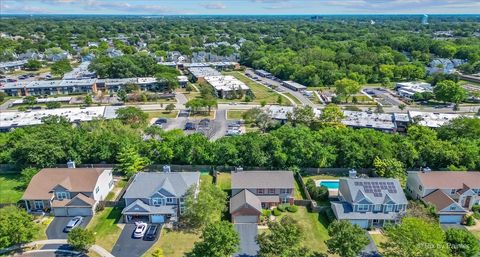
(71, 164)
(352, 173)
(167, 169)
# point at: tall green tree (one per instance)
(61, 67)
(81, 239)
(390, 168)
(462, 243)
(130, 162)
(282, 240)
(347, 87)
(346, 239)
(449, 91)
(415, 238)
(219, 239)
(332, 114)
(16, 226)
(206, 207)
(132, 116)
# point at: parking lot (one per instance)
(383, 96)
(55, 229)
(211, 128)
(127, 246)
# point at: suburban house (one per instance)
(158, 197)
(68, 191)
(452, 193)
(370, 202)
(254, 190)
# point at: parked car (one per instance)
(160, 121)
(190, 126)
(73, 223)
(204, 122)
(152, 233)
(11, 80)
(140, 229)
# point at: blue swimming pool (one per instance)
(330, 184)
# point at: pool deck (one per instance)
(332, 192)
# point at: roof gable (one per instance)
(80, 200)
(137, 206)
(243, 199)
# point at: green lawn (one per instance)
(174, 243)
(43, 225)
(378, 239)
(162, 114)
(10, 188)
(262, 93)
(202, 115)
(104, 225)
(235, 114)
(224, 180)
(314, 228)
(293, 98)
(298, 192)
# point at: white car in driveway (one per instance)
(140, 229)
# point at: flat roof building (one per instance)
(226, 86)
(294, 85)
(433, 119)
(378, 121)
(409, 89)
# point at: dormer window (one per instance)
(388, 207)
(158, 201)
(260, 191)
(362, 207)
(271, 191)
(61, 195)
(452, 208)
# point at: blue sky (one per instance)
(173, 7)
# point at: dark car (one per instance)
(204, 122)
(161, 121)
(152, 233)
(190, 126)
(11, 80)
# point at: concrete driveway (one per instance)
(248, 235)
(127, 246)
(50, 254)
(55, 229)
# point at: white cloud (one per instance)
(215, 5)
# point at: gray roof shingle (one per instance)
(145, 184)
(262, 179)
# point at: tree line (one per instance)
(455, 146)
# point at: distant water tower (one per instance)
(425, 19)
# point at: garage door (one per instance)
(79, 211)
(451, 219)
(246, 219)
(361, 223)
(158, 219)
(60, 212)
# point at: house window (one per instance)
(62, 195)
(158, 201)
(271, 191)
(452, 208)
(284, 200)
(110, 184)
(182, 200)
(97, 189)
(169, 200)
(378, 207)
(452, 192)
(182, 210)
(362, 207)
(420, 187)
(38, 205)
(260, 191)
(388, 207)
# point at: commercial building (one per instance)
(12, 120)
(409, 89)
(433, 119)
(294, 85)
(199, 73)
(227, 86)
(263, 73)
(80, 72)
(76, 86)
(11, 66)
(378, 121)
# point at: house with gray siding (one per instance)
(451, 193)
(370, 202)
(158, 197)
